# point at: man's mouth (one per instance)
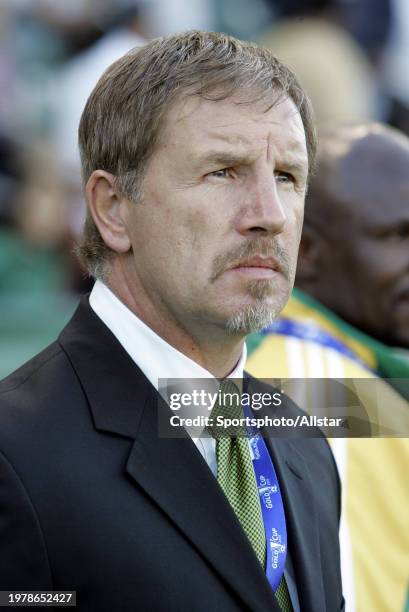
(258, 267)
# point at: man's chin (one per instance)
(252, 318)
(267, 288)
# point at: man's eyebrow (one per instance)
(224, 158)
(294, 166)
(232, 158)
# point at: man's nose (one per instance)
(263, 211)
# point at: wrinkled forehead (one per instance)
(196, 122)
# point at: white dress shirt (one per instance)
(153, 355)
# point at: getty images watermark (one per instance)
(284, 408)
(228, 400)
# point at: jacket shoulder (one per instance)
(25, 372)
(37, 395)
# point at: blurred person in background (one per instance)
(40, 205)
(331, 65)
(37, 275)
(122, 28)
(357, 47)
(369, 22)
(348, 318)
(35, 298)
(359, 266)
(34, 281)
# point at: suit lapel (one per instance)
(171, 471)
(175, 476)
(302, 523)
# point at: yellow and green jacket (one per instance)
(308, 341)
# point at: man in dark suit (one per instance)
(196, 151)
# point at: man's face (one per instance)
(369, 272)
(216, 236)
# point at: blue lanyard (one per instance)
(271, 503)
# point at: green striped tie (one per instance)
(235, 474)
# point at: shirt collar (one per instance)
(155, 357)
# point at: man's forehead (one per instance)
(236, 125)
(242, 138)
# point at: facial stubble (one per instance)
(264, 308)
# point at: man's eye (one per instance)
(223, 173)
(284, 177)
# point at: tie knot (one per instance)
(227, 414)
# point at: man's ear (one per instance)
(108, 209)
(309, 255)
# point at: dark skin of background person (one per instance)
(354, 255)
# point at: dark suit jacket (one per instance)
(92, 500)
